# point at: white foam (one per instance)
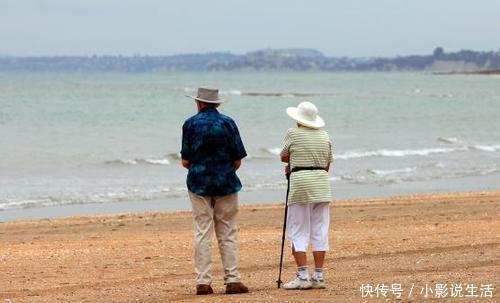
(439, 165)
(442, 95)
(157, 161)
(231, 92)
(488, 148)
(150, 161)
(234, 92)
(273, 150)
(380, 172)
(69, 198)
(448, 140)
(354, 155)
(189, 89)
(397, 153)
(119, 161)
(173, 156)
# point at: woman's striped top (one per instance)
(308, 147)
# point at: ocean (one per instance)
(88, 143)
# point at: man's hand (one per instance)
(185, 163)
(237, 164)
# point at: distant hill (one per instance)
(268, 59)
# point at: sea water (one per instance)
(81, 142)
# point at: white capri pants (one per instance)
(306, 223)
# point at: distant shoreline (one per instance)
(478, 72)
(292, 59)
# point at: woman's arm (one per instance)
(286, 159)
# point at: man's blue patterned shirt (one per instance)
(211, 143)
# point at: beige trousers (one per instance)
(219, 213)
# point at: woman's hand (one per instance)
(287, 170)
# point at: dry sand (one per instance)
(148, 257)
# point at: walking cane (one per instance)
(284, 228)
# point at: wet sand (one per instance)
(148, 257)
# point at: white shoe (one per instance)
(318, 283)
(298, 283)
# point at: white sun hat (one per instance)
(306, 114)
(208, 95)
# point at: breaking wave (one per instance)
(165, 160)
(70, 198)
(397, 153)
(381, 172)
(273, 152)
(448, 140)
(286, 94)
(379, 176)
(487, 148)
(139, 161)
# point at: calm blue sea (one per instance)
(82, 143)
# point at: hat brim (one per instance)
(293, 113)
(218, 101)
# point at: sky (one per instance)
(355, 28)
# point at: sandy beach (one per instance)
(148, 257)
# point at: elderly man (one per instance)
(212, 151)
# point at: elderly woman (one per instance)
(308, 151)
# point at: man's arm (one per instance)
(186, 145)
(238, 151)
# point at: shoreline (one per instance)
(341, 192)
(245, 206)
(148, 256)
